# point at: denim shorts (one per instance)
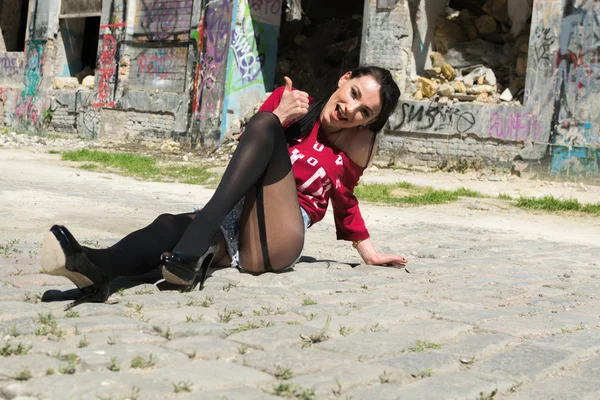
(230, 227)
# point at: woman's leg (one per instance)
(261, 155)
(271, 228)
(139, 252)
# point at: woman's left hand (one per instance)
(388, 259)
(372, 257)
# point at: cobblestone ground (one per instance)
(482, 314)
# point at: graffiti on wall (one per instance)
(213, 63)
(28, 106)
(543, 41)
(160, 68)
(245, 45)
(578, 84)
(160, 20)
(515, 126)
(434, 116)
(252, 55)
(107, 71)
(11, 65)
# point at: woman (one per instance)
(295, 155)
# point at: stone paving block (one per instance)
(36, 364)
(90, 385)
(478, 346)
(200, 329)
(211, 375)
(110, 338)
(99, 358)
(540, 325)
(230, 394)
(583, 342)
(387, 314)
(590, 368)
(19, 326)
(525, 362)
(205, 348)
(572, 388)
(299, 361)
(432, 330)
(371, 345)
(346, 378)
(180, 315)
(18, 309)
(25, 281)
(418, 363)
(458, 385)
(9, 292)
(97, 309)
(102, 323)
(274, 337)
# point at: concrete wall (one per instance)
(556, 124)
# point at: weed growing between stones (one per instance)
(83, 342)
(72, 314)
(242, 350)
(197, 318)
(141, 362)
(113, 366)
(182, 387)
(375, 327)
(311, 316)
(345, 330)
(427, 373)
(24, 375)
(13, 331)
(422, 345)
(144, 290)
(8, 350)
(483, 396)
(227, 315)
(9, 248)
(16, 272)
(308, 302)
(229, 286)
(50, 371)
(48, 326)
(384, 378)
(283, 374)
(289, 391)
(112, 340)
(309, 340)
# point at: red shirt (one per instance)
(323, 172)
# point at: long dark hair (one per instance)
(389, 94)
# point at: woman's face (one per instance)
(356, 102)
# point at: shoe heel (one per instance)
(92, 294)
(180, 269)
(54, 262)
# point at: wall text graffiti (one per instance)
(514, 126)
(11, 65)
(435, 117)
(161, 20)
(160, 68)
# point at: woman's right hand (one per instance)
(293, 104)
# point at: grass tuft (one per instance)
(141, 167)
(407, 194)
(550, 203)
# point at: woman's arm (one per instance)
(371, 257)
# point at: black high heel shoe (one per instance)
(63, 256)
(182, 269)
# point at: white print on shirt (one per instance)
(338, 183)
(318, 147)
(312, 161)
(320, 173)
(323, 189)
(296, 155)
(340, 160)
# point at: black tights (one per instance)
(260, 159)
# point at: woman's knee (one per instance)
(265, 125)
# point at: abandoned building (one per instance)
(492, 80)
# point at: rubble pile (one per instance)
(315, 55)
(481, 53)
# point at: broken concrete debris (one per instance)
(480, 50)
